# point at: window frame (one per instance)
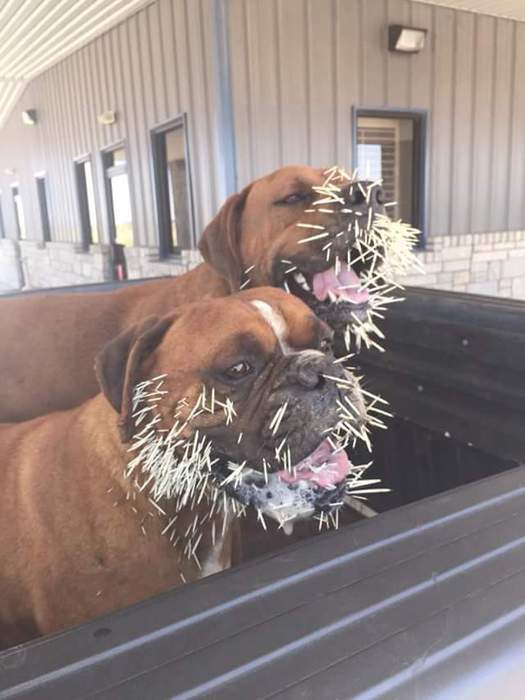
(82, 200)
(16, 186)
(159, 166)
(419, 118)
(110, 172)
(43, 208)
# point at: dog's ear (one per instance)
(117, 366)
(220, 243)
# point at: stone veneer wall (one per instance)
(480, 263)
(33, 264)
(11, 277)
(144, 262)
(55, 264)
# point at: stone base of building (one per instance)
(145, 262)
(11, 274)
(37, 265)
(56, 264)
(479, 263)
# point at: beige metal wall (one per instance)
(299, 66)
(152, 67)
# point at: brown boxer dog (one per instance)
(124, 497)
(49, 341)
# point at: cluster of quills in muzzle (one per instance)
(383, 248)
(179, 466)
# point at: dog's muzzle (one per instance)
(315, 485)
(334, 290)
(313, 481)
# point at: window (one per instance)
(389, 146)
(173, 187)
(2, 225)
(86, 203)
(19, 213)
(119, 200)
(119, 207)
(42, 205)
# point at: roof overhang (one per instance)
(36, 34)
(510, 9)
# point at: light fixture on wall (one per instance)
(406, 39)
(107, 118)
(29, 117)
(10, 171)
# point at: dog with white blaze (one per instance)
(223, 405)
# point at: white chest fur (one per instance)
(215, 562)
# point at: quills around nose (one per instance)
(383, 248)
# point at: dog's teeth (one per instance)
(332, 297)
(301, 281)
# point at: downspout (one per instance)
(226, 126)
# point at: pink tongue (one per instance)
(336, 467)
(345, 285)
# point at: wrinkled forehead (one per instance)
(255, 323)
(294, 328)
(289, 180)
(266, 325)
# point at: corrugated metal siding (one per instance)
(299, 66)
(150, 68)
(297, 69)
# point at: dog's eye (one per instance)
(239, 371)
(294, 198)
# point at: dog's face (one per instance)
(272, 234)
(253, 374)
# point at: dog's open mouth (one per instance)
(337, 295)
(316, 484)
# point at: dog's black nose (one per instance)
(308, 368)
(379, 194)
(363, 195)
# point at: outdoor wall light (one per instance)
(406, 39)
(29, 117)
(107, 118)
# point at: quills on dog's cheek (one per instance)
(174, 465)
